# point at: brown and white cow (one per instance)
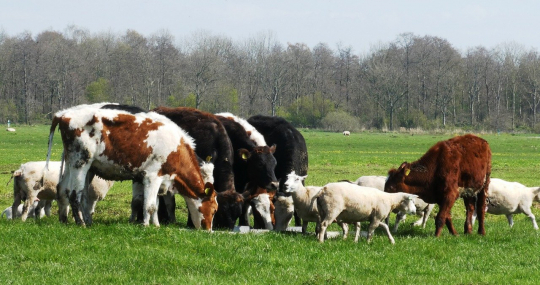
(458, 167)
(143, 147)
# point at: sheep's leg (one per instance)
(420, 220)
(357, 233)
(399, 217)
(345, 229)
(27, 205)
(372, 226)
(427, 212)
(48, 205)
(383, 225)
(510, 219)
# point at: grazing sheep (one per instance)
(509, 198)
(284, 210)
(346, 133)
(10, 129)
(304, 202)
(349, 203)
(423, 209)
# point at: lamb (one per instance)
(509, 198)
(33, 182)
(349, 203)
(304, 202)
(423, 209)
(33, 210)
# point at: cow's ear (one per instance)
(208, 189)
(244, 153)
(403, 165)
(273, 148)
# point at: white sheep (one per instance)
(509, 198)
(346, 133)
(31, 211)
(34, 182)
(284, 211)
(304, 198)
(423, 209)
(349, 203)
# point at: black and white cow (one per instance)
(291, 153)
(253, 166)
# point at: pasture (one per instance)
(114, 251)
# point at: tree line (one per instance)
(411, 82)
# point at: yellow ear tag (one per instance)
(208, 158)
(206, 191)
(244, 156)
(407, 172)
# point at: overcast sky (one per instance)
(359, 24)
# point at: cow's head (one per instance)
(229, 210)
(294, 182)
(260, 166)
(204, 208)
(395, 182)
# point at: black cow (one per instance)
(291, 153)
(253, 164)
(211, 141)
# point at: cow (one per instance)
(214, 145)
(291, 153)
(458, 167)
(254, 162)
(143, 147)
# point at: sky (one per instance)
(360, 25)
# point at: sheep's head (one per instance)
(407, 204)
(294, 182)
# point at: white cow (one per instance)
(509, 198)
(117, 143)
(423, 209)
(349, 203)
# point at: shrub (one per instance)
(340, 121)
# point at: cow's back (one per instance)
(291, 150)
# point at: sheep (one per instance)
(304, 202)
(350, 203)
(423, 209)
(33, 210)
(34, 182)
(346, 133)
(284, 210)
(509, 198)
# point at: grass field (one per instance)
(114, 251)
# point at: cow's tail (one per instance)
(55, 122)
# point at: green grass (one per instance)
(114, 251)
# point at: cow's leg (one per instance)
(469, 208)
(304, 226)
(77, 185)
(399, 217)
(151, 189)
(244, 218)
(170, 204)
(137, 200)
(443, 217)
(86, 205)
(510, 219)
(62, 194)
(481, 209)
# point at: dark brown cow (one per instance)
(460, 166)
(144, 147)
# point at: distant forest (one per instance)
(411, 82)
